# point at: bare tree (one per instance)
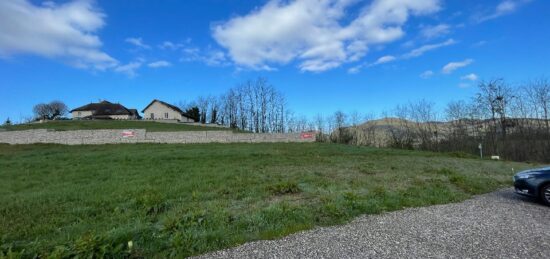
(58, 109)
(340, 133)
(41, 111)
(50, 111)
(539, 94)
(494, 96)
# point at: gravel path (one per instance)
(495, 225)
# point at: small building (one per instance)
(159, 110)
(105, 110)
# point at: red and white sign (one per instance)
(128, 134)
(307, 135)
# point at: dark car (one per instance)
(534, 183)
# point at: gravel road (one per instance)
(495, 225)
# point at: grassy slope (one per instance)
(110, 124)
(188, 199)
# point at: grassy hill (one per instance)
(110, 124)
(181, 200)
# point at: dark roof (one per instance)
(105, 108)
(175, 108)
(134, 112)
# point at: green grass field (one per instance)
(109, 124)
(181, 200)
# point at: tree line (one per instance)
(255, 106)
(500, 119)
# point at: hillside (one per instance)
(380, 132)
(181, 200)
(150, 126)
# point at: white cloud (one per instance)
(470, 77)
(313, 32)
(209, 56)
(66, 32)
(385, 59)
(452, 66)
(423, 49)
(430, 32)
(464, 85)
(159, 64)
(505, 7)
(138, 42)
(380, 61)
(479, 44)
(427, 74)
(355, 70)
(170, 45)
(130, 68)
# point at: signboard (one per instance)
(128, 134)
(307, 135)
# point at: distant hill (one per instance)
(380, 132)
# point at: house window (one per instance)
(79, 114)
(152, 116)
(166, 115)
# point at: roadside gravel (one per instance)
(495, 225)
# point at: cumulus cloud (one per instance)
(503, 8)
(66, 31)
(314, 32)
(429, 47)
(430, 32)
(138, 42)
(452, 66)
(470, 77)
(427, 74)
(159, 64)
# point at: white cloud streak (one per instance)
(159, 64)
(427, 74)
(129, 69)
(470, 77)
(452, 66)
(138, 42)
(505, 7)
(168, 45)
(379, 61)
(431, 32)
(66, 32)
(209, 56)
(311, 31)
(429, 47)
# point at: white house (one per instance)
(159, 110)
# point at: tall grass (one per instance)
(179, 200)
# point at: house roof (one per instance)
(175, 108)
(134, 112)
(105, 108)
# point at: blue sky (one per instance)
(325, 55)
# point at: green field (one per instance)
(151, 126)
(181, 200)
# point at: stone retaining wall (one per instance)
(92, 137)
